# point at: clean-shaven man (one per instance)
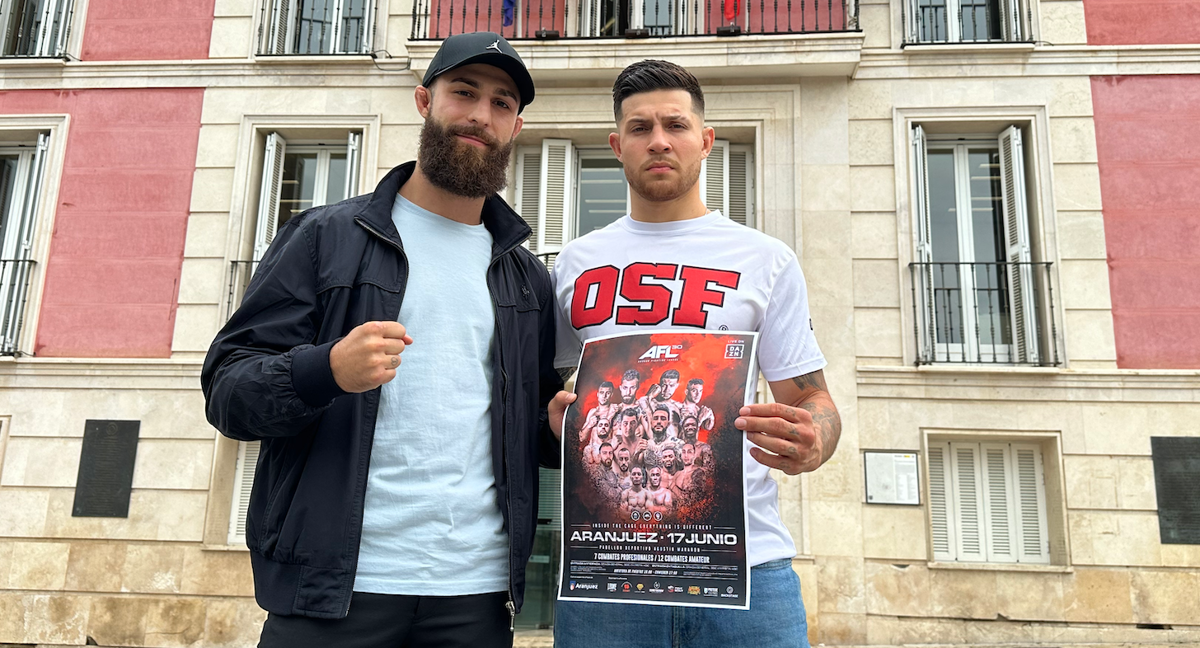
(722, 276)
(395, 502)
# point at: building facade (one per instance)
(994, 202)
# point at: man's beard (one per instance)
(659, 190)
(460, 168)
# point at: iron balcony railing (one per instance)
(551, 19)
(239, 277)
(14, 290)
(984, 313)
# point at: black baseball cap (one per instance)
(488, 48)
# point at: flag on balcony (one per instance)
(731, 10)
(509, 6)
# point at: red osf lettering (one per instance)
(634, 290)
(696, 294)
(605, 280)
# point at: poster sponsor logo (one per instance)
(710, 591)
(694, 590)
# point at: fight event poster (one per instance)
(654, 502)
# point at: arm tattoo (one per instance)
(566, 372)
(826, 421)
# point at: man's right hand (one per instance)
(369, 356)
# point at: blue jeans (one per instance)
(775, 619)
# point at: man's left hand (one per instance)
(558, 407)
(784, 435)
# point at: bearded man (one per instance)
(356, 498)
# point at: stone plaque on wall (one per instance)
(1177, 484)
(106, 461)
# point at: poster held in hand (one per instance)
(654, 497)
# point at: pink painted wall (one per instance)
(112, 276)
(1142, 22)
(1148, 139)
(146, 30)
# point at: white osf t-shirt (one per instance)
(737, 279)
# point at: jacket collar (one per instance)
(507, 228)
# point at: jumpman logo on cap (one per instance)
(495, 46)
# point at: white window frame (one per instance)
(1024, 322)
(277, 31)
(1014, 27)
(47, 45)
(22, 132)
(987, 501)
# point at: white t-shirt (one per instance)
(431, 524)
(703, 273)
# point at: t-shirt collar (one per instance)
(671, 228)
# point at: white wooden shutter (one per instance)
(1010, 17)
(921, 220)
(18, 244)
(529, 190)
(268, 195)
(353, 161)
(337, 29)
(367, 44)
(1033, 544)
(1016, 226)
(277, 31)
(941, 504)
(999, 522)
(967, 487)
(741, 184)
(714, 177)
(53, 28)
(912, 18)
(243, 482)
(550, 497)
(557, 196)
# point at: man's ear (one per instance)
(710, 137)
(424, 98)
(517, 127)
(614, 142)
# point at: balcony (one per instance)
(589, 39)
(35, 28)
(984, 313)
(14, 290)
(939, 22)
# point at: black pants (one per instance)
(391, 621)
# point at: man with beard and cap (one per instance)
(364, 530)
(723, 276)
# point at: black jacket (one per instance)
(267, 378)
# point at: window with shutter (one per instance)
(308, 27)
(243, 483)
(987, 502)
(35, 28)
(964, 21)
(975, 295)
(268, 197)
(556, 201)
(21, 174)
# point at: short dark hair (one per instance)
(661, 408)
(695, 381)
(650, 75)
(631, 374)
(605, 384)
(669, 374)
(628, 412)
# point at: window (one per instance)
(977, 290)
(966, 21)
(317, 27)
(564, 191)
(21, 171)
(35, 28)
(295, 178)
(987, 502)
(641, 17)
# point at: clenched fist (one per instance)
(368, 356)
